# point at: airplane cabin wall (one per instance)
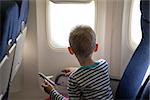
(126, 49)
(113, 38)
(118, 49)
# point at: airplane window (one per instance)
(136, 33)
(62, 17)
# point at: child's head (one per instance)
(82, 41)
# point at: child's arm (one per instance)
(54, 95)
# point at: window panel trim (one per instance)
(71, 1)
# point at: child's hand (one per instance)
(68, 71)
(47, 87)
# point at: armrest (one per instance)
(58, 77)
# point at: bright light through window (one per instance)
(136, 33)
(63, 17)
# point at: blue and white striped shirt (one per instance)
(88, 83)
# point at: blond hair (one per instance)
(82, 40)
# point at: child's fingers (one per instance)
(66, 70)
(67, 74)
(45, 82)
(44, 85)
(69, 69)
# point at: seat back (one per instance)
(18, 53)
(21, 34)
(134, 74)
(23, 13)
(9, 15)
(5, 70)
(9, 19)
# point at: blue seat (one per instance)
(145, 90)
(9, 24)
(133, 76)
(23, 13)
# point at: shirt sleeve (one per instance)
(54, 95)
(73, 89)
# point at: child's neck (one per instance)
(86, 62)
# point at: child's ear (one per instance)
(96, 47)
(70, 50)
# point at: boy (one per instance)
(90, 81)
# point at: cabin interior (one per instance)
(34, 38)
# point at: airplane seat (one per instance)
(23, 14)
(145, 90)
(8, 24)
(9, 14)
(137, 68)
(5, 71)
(18, 53)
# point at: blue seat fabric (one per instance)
(8, 16)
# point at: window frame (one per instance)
(48, 31)
(132, 44)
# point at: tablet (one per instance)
(47, 79)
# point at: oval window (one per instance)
(62, 17)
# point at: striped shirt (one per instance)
(88, 83)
